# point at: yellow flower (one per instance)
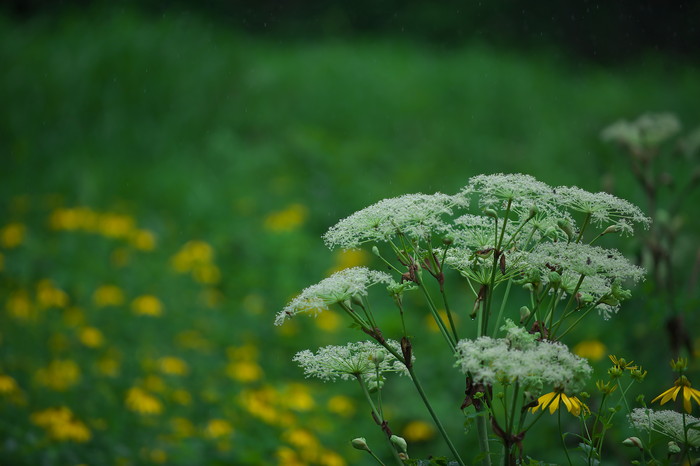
(61, 425)
(217, 428)
(298, 398)
(418, 431)
(109, 365)
(143, 240)
(114, 225)
(247, 352)
(8, 385)
(12, 235)
(328, 321)
(552, 399)
(60, 374)
(147, 305)
(158, 456)
(331, 458)
(19, 306)
(341, 405)
(47, 295)
(91, 337)
(433, 326)
(681, 385)
(108, 295)
(182, 427)
(244, 371)
(208, 274)
(590, 349)
(173, 366)
(288, 219)
(621, 364)
(191, 254)
(350, 258)
(142, 402)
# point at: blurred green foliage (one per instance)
(253, 147)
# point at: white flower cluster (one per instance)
(496, 190)
(583, 259)
(360, 359)
(667, 423)
(337, 288)
(648, 129)
(604, 208)
(520, 357)
(418, 216)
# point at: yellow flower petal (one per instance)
(554, 405)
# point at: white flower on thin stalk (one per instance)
(339, 287)
(360, 359)
(417, 216)
(584, 259)
(667, 423)
(603, 208)
(519, 357)
(494, 191)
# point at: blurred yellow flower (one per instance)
(182, 397)
(157, 456)
(418, 431)
(47, 295)
(19, 306)
(109, 365)
(8, 385)
(328, 321)
(288, 219)
(73, 316)
(173, 366)
(2, 262)
(288, 457)
(341, 405)
(298, 398)
(91, 337)
(254, 304)
(154, 383)
(78, 218)
(330, 458)
(192, 253)
(192, 339)
(300, 438)
(247, 352)
(61, 425)
(208, 274)
(59, 375)
(114, 225)
(590, 349)
(147, 305)
(217, 428)
(108, 295)
(433, 327)
(12, 235)
(143, 240)
(244, 371)
(140, 401)
(345, 259)
(182, 427)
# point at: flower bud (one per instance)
(533, 211)
(375, 251)
(399, 443)
(554, 279)
(611, 229)
(566, 228)
(360, 443)
(673, 448)
(633, 442)
(448, 240)
(491, 213)
(524, 314)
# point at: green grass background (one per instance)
(201, 132)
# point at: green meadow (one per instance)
(165, 183)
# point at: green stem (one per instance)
(436, 420)
(503, 305)
(483, 437)
(583, 227)
(378, 415)
(436, 316)
(561, 436)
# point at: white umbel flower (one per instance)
(604, 208)
(667, 423)
(520, 357)
(418, 216)
(360, 359)
(337, 288)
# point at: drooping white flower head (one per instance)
(604, 208)
(417, 216)
(520, 357)
(337, 288)
(667, 423)
(360, 359)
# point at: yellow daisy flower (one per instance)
(551, 400)
(681, 385)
